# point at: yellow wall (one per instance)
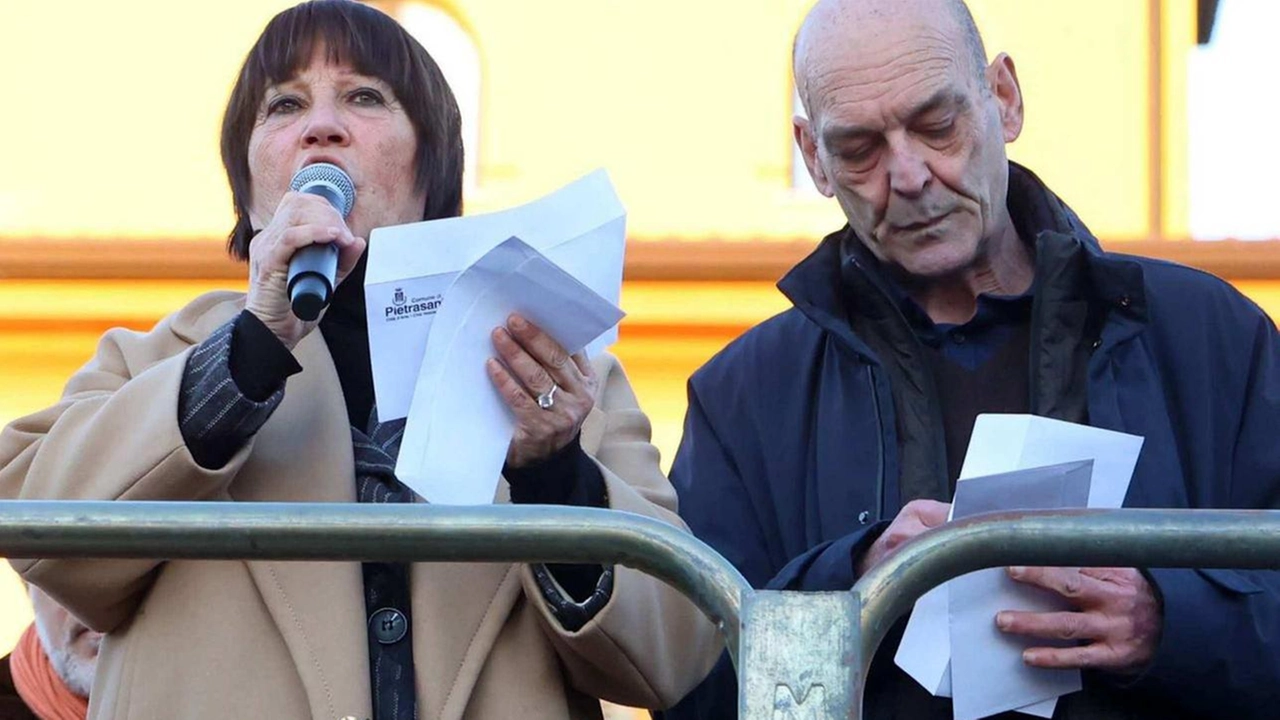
(1084, 68)
(692, 119)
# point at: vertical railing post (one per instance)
(800, 656)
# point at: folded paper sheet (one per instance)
(458, 426)
(581, 228)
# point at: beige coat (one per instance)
(260, 640)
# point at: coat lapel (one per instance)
(458, 611)
(303, 454)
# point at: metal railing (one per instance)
(800, 655)
(369, 532)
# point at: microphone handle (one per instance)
(313, 271)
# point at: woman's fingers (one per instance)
(299, 220)
(530, 366)
(550, 355)
(512, 390)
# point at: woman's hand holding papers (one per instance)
(549, 391)
(1118, 618)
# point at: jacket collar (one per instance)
(816, 288)
(816, 285)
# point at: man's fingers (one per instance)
(299, 208)
(1070, 583)
(913, 519)
(1053, 625)
(298, 237)
(931, 512)
(1095, 655)
(902, 530)
(1112, 575)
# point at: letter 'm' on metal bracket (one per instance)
(799, 653)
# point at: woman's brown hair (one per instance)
(373, 44)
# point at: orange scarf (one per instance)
(40, 687)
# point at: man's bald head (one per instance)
(838, 22)
(906, 128)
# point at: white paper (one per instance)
(1043, 710)
(459, 427)
(924, 652)
(1004, 443)
(581, 228)
(988, 675)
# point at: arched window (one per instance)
(456, 53)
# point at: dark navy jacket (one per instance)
(791, 459)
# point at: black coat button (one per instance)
(864, 517)
(388, 625)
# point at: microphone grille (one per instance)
(328, 175)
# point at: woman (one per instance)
(233, 398)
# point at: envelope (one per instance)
(459, 427)
(581, 228)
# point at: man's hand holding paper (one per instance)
(1116, 614)
(1117, 618)
(915, 517)
(993, 645)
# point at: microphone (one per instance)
(313, 270)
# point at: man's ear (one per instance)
(809, 149)
(1002, 79)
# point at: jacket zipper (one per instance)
(875, 402)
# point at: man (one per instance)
(824, 438)
(49, 674)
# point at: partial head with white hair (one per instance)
(72, 648)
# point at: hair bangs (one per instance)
(372, 45)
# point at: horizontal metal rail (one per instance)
(424, 533)
(1240, 539)
(389, 533)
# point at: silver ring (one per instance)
(547, 400)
